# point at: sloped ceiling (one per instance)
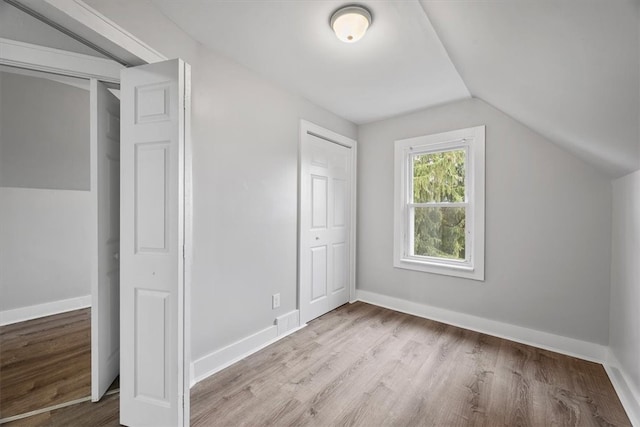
(398, 67)
(569, 69)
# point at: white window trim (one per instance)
(473, 140)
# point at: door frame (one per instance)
(94, 119)
(91, 27)
(56, 61)
(47, 60)
(309, 128)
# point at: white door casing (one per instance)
(104, 137)
(105, 282)
(154, 385)
(38, 58)
(326, 217)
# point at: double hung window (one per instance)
(439, 203)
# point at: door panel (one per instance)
(318, 272)
(152, 160)
(325, 196)
(319, 201)
(153, 384)
(152, 346)
(339, 202)
(105, 311)
(339, 266)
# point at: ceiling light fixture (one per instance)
(350, 23)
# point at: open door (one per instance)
(105, 283)
(154, 385)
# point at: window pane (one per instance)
(438, 177)
(439, 232)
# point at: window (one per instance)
(439, 203)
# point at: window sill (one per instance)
(446, 269)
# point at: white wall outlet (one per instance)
(275, 300)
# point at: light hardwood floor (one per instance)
(369, 366)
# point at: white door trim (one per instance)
(82, 18)
(105, 353)
(91, 18)
(308, 128)
(43, 59)
(86, 24)
(34, 57)
(78, 17)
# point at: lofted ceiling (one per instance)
(399, 66)
(569, 69)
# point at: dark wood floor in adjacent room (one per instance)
(369, 366)
(44, 362)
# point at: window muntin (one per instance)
(436, 205)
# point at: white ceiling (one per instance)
(399, 66)
(569, 69)
(566, 68)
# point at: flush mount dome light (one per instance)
(350, 23)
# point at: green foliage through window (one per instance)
(439, 178)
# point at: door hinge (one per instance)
(184, 254)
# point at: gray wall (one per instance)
(245, 208)
(45, 134)
(625, 279)
(44, 251)
(44, 153)
(245, 151)
(547, 227)
(1, 127)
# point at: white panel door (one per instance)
(325, 219)
(105, 292)
(154, 387)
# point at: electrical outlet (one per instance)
(275, 301)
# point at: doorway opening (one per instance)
(154, 253)
(49, 220)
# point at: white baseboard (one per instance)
(569, 346)
(288, 321)
(227, 356)
(629, 395)
(21, 314)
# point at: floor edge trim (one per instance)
(52, 408)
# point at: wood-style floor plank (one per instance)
(362, 365)
(45, 362)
